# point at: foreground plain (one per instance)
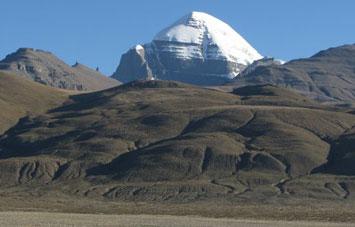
(88, 220)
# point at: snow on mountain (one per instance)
(217, 39)
(139, 47)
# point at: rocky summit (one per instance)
(198, 49)
(45, 68)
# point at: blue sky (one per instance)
(97, 32)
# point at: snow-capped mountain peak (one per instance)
(198, 48)
(213, 39)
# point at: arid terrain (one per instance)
(163, 147)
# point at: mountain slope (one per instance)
(46, 68)
(273, 95)
(327, 76)
(20, 97)
(164, 140)
(198, 49)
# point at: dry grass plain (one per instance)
(70, 208)
(32, 219)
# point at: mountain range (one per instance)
(201, 117)
(326, 76)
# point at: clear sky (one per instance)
(97, 32)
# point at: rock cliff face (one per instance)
(198, 49)
(134, 65)
(327, 76)
(46, 68)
